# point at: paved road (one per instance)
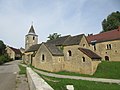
(8, 73)
(79, 77)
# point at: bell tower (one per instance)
(31, 38)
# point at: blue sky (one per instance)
(62, 16)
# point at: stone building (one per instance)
(106, 44)
(78, 53)
(13, 53)
(66, 53)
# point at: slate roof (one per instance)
(74, 40)
(105, 36)
(31, 30)
(53, 49)
(33, 48)
(89, 53)
(17, 51)
(58, 41)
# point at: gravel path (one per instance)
(79, 77)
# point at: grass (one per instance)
(60, 84)
(72, 74)
(108, 70)
(22, 69)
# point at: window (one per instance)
(43, 57)
(83, 45)
(69, 53)
(33, 38)
(109, 46)
(83, 59)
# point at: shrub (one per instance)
(4, 58)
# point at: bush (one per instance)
(4, 58)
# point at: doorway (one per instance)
(106, 58)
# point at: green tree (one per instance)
(2, 47)
(112, 22)
(54, 36)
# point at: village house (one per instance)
(106, 44)
(13, 53)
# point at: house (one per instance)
(106, 44)
(13, 53)
(67, 53)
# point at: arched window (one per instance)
(43, 57)
(69, 53)
(83, 59)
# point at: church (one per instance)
(80, 53)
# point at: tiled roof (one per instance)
(58, 41)
(32, 30)
(105, 36)
(17, 51)
(54, 50)
(74, 40)
(33, 48)
(89, 53)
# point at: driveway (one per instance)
(8, 72)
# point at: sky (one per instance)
(52, 16)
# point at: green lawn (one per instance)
(22, 69)
(108, 70)
(60, 84)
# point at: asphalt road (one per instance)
(8, 72)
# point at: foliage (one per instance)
(22, 69)
(2, 47)
(60, 84)
(4, 58)
(3, 55)
(112, 22)
(54, 36)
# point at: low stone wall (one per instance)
(36, 82)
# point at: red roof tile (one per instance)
(105, 36)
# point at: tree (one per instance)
(112, 22)
(54, 36)
(2, 48)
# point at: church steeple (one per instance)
(31, 31)
(31, 38)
